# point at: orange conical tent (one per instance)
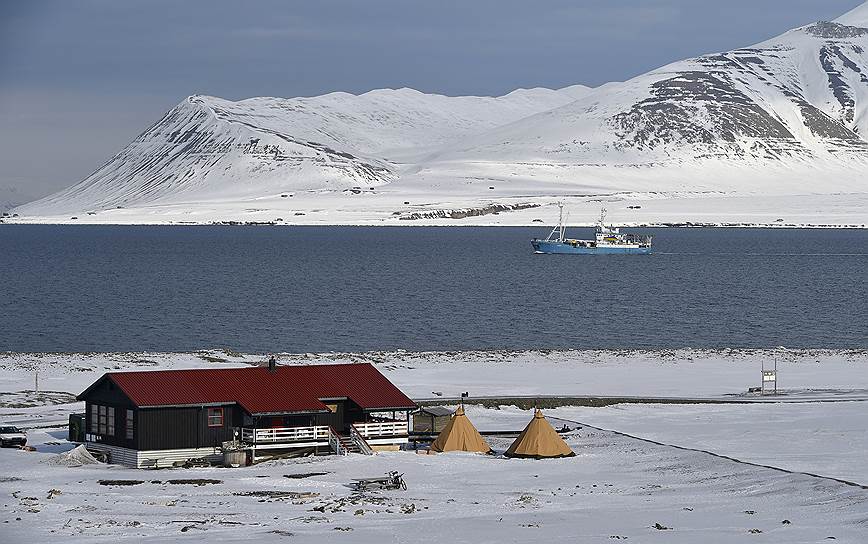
(539, 441)
(460, 435)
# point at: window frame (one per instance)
(102, 419)
(215, 416)
(110, 421)
(94, 418)
(131, 425)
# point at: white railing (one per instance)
(360, 442)
(335, 442)
(318, 433)
(284, 434)
(382, 428)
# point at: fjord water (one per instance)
(312, 289)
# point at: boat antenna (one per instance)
(602, 217)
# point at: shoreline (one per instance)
(625, 209)
(664, 225)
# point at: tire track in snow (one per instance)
(713, 454)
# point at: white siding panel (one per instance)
(395, 440)
(154, 458)
(117, 454)
(167, 458)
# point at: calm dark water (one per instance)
(87, 288)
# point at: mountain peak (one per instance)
(855, 17)
(835, 31)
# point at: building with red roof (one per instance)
(167, 417)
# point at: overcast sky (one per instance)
(80, 79)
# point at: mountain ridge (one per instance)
(786, 116)
(323, 144)
(800, 98)
(857, 16)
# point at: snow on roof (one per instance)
(437, 411)
(297, 388)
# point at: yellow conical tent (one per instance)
(539, 441)
(460, 435)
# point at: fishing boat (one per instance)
(609, 240)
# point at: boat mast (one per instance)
(560, 230)
(561, 226)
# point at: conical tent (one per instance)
(460, 435)
(539, 441)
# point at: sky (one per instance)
(81, 79)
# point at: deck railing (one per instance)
(284, 434)
(360, 442)
(275, 435)
(335, 442)
(382, 428)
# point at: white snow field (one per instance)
(775, 131)
(617, 487)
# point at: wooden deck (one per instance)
(379, 433)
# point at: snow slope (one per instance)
(207, 148)
(789, 114)
(856, 17)
(781, 120)
(616, 488)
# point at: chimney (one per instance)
(272, 364)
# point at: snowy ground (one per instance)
(828, 439)
(617, 486)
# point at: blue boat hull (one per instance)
(557, 248)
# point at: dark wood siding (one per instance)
(354, 413)
(294, 420)
(185, 427)
(106, 393)
(168, 428)
(335, 419)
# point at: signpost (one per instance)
(770, 379)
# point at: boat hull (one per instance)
(558, 248)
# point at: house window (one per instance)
(103, 419)
(215, 417)
(130, 424)
(110, 421)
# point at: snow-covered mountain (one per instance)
(796, 104)
(207, 148)
(784, 118)
(12, 195)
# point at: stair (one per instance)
(348, 445)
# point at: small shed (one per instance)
(77, 426)
(431, 419)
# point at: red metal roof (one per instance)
(296, 388)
